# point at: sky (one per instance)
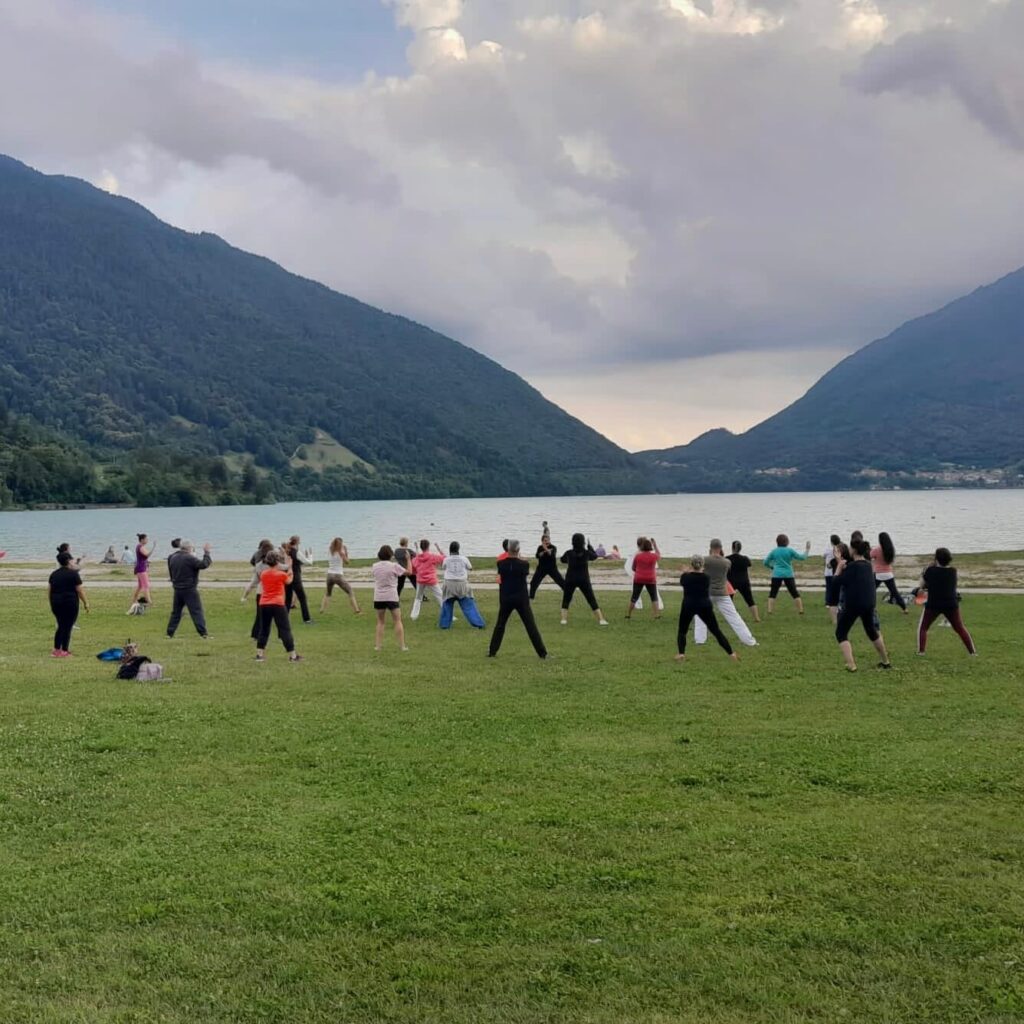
(667, 215)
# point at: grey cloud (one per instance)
(981, 66)
(65, 90)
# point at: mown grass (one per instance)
(608, 837)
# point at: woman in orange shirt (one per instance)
(273, 582)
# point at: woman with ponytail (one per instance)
(882, 557)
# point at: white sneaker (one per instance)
(603, 622)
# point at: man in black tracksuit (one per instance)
(184, 568)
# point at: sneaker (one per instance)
(205, 636)
(564, 622)
(405, 650)
(261, 657)
(885, 664)
(56, 653)
(295, 657)
(603, 622)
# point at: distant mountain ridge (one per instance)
(169, 367)
(939, 400)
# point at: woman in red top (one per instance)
(645, 575)
(273, 582)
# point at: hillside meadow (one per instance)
(438, 837)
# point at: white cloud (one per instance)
(562, 184)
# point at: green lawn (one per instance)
(433, 836)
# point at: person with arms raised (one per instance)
(184, 568)
(513, 596)
(577, 577)
(780, 560)
(425, 566)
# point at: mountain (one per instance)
(146, 364)
(940, 400)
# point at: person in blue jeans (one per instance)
(780, 560)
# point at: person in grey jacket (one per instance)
(184, 567)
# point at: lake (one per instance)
(963, 520)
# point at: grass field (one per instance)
(438, 837)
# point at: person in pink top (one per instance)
(141, 597)
(386, 573)
(645, 575)
(882, 557)
(424, 567)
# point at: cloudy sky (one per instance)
(668, 215)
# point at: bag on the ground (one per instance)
(130, 669)
(150, 672)
(111, 654)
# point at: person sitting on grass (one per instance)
(386, 573)
(273, 607)
(780, 560)
(857, 601)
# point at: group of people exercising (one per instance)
(853, 573)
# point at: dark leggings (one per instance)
(65, 612)
(522, 606)
(539, 576)
(256, 622)
(407, 578)
(954, 618)
(276, 614)
(893, 591)
(848, 616)
(777, 583)
(743, 589)
(584, 587)
(706, 613)
(296, 589)
(651, 588)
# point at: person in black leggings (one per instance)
(697, 604)
(577, 577)
(857, 601)
(514, 597)
(66, 594)
(739, 577)
(295, 589)
(547, 565)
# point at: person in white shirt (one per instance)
(337, 556)
(455, 569)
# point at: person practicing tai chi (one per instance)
(141, 596)
(739, 577)
(404, 556)
(514, 597)
(828, 572)
(337, 556)
(67, 595)
(259, 565)
(716, 568)
(882, 557)
(697, 605)
(780, 560)
(547, 565)
(425, 566)
(274, 580)
(577, 577)
(645, 576)
(386, 574)
(857, 601)
(940, 581)
(841, 557)
(296, 590)
(184, 568)
(456, 568)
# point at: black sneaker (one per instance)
(885, 664)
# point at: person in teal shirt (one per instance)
(780, 560)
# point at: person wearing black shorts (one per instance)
(697, 604)
(514, 597)
(577, 577)
(739, 577)
(858, 600)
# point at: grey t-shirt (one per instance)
(717, 568)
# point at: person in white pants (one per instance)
(716, 565)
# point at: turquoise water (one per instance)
(963, 520)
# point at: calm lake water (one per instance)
(918, 521)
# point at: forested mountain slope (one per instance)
(942, 394)
(176, 368)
